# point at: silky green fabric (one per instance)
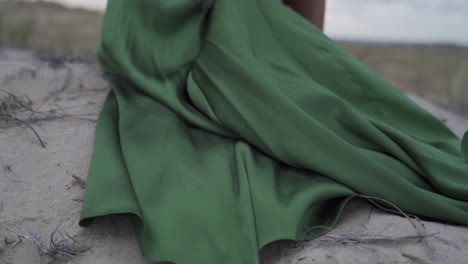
(232, 124)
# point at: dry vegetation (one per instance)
(42, 25)
(437, 72)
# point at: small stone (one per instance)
(77, 199)
(9, 240)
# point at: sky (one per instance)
(399, 20)
(442, 21)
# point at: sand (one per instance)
(38, 192)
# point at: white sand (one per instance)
(37, 191)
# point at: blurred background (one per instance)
(421, 46)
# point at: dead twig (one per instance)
(29, 126)
(5, 112)
(366, 239)
(374, 201)
(53, 118)
(68, 247)
(422, 235)
(79, 181)
(18, 101)
(16, 242)
(15, 106)
(8, 168)
(54, 95)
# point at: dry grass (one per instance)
(10, 106)
(42, 25)
(381, 204)
(18, 110)
(436, 72)
(57, 249)
(421, 237)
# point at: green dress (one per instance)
(232, 124)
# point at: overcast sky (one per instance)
(399, 20)
(382, 20)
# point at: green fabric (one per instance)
(232, 124)
(465, 146)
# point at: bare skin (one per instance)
(312, 10)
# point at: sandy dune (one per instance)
(38, 191)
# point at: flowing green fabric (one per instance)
(232, 124)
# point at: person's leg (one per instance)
(312, 10)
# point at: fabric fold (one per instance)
(232, 124)
(464, 146)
